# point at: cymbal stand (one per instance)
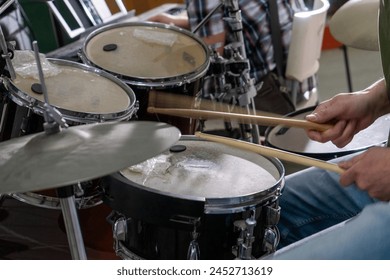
(53, 123)
(72, 225)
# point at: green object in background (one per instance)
(43, 26)
(384, 40)
(40, 23)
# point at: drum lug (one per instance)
(78, 190)
(246, 238)
(119, 232)
(135, 110)
(120, 229)
(271, 239)
(272, 215)
(271, 233)
(193, 252)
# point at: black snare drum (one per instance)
(199, 200)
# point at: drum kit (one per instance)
(65, 124)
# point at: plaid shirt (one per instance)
(256, 29)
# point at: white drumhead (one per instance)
(295, 139)
(146, 51)
(79, 90)
(205, 170)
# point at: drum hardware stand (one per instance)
(246, 238)
(244, 90)
(25, 123)
(53, 123)
(6, 54)
(72, 225)
(217, 72)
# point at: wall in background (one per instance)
(50, 36)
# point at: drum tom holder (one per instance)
(6, 55)
(242, 90)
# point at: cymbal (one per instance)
(355, 24)
(80, 153)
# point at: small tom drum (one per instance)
(150, 56)
(81, 93)
(198, 200)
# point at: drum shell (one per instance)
(217, 237)
(156, 217)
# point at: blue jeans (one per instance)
(322, 220)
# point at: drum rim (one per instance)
(226, 204)
(23, 99)
(156, 82)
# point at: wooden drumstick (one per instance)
(243, 118)
(271, 152)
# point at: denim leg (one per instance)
(313, 200)
(363, 237)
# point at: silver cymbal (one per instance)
(355, 24)
(80, 153)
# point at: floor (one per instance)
(36, 233)
(365, 68)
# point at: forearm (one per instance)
(379, 99)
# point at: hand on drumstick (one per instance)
(349, 113)
(370, 172)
